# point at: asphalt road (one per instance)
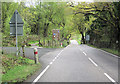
(77, 63)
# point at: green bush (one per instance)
(10, 61)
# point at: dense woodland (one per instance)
(101, 20)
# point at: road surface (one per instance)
(77, 63)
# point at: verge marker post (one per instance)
(36, 55)
(61, 44)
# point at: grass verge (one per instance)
(32, 42)
(19, 73)
(17, 69)
(113, 51)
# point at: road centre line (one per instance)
(51, 63)
(40, 75)
(84, 53)
(109, 77)
(53, 60)
(55, 57)
(92, 61)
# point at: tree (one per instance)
(106, 24)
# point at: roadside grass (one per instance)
(113, 51)
(92, 46)
(19, 73)
(32, 42)
(17, 69)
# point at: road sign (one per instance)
(87, 37)
(13, 25)
(56, 34)
(16, 27)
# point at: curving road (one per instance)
(75, 63)
(78, 63)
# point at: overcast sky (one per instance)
(28, 2)
(56, 0)
(32, 2)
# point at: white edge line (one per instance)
(92, 61)
(109, 77)
(40, 75)
(109, 53)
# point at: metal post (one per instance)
(16, 32)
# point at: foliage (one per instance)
(99, 20)
(17, 69)
(19, 73)
(104, 25)
(39, 19)
(10, 61)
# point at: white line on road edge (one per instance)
(40, 75)
(84, 53)
(109, 53)
(109, 77)
(92, 61)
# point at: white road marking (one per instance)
(55, 57)
(109, 77)
(50, 63)
(84, 53)
(53, 60)
(40, 75)
(109, 53)
(92, 61)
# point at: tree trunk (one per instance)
(23, 50)
(48, 43)
(40, 44)
(44, 41)
(83, 39)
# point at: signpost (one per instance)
(16, 27)
(87, 38)
(56, 34)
